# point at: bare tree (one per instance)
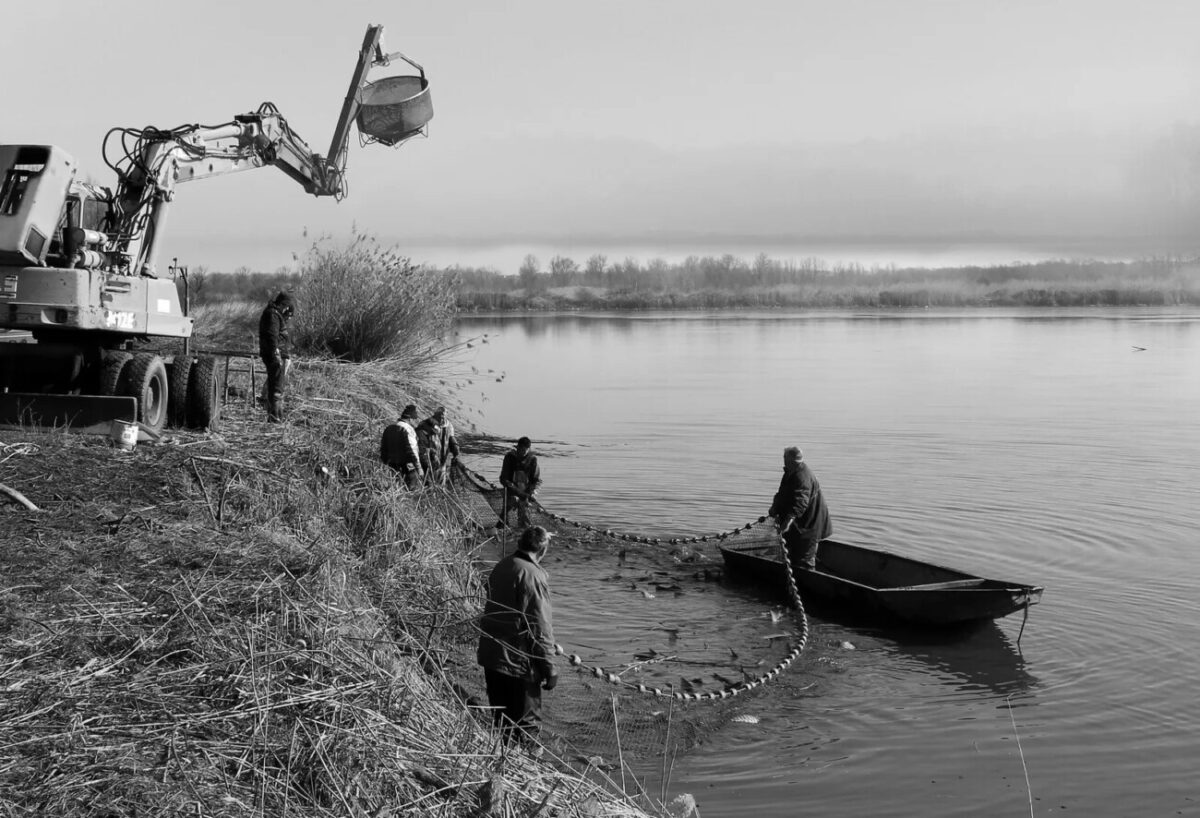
(198, 279)
(562, 271)
(528, 274)
(593, 272)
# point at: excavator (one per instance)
(79, 284)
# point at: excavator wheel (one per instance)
(145, 378)
(113, 367)
(178, 374)
(204, 395)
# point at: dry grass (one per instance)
(253, 622)
(227, 325)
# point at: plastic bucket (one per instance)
(124, 434)
(395, 108)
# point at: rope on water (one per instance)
(481, 483)
(608, 532)
(727, 692)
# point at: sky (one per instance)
(871, 130)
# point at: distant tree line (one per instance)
(243, 284)
(715, 282)
(726, 281)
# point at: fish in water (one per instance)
(745, 718)
(647, 594)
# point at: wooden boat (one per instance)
(876, 583)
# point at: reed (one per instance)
(364, 302)
(358, 301)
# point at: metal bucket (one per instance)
(394, 109)
(124, 434)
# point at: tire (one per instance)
(111, 370)
(178, 374)
(145, 378)
(204, 395)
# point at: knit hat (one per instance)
(410, 411)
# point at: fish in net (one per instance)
(660, 698)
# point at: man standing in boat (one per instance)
(799, 510)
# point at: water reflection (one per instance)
(972, 658)
(1035, 445)
(982, 659)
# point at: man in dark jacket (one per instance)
(799, 509)
(274, 346)
(436, 435)
(516, 643)
(520, 476)
(399, 449)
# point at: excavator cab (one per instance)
(36, 179)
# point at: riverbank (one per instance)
(249, 622)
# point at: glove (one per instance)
(550, 682)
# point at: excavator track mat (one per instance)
(82, 414)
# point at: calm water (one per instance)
(1035, 446)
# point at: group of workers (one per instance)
(516, 643)
(421, 453)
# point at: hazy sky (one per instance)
(613, 124)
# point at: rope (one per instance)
(478, 478)
(480, 483)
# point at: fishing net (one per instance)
(649, 704)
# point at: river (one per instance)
(1053, 447)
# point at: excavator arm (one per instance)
(159, 160)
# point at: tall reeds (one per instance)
(363, 302)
